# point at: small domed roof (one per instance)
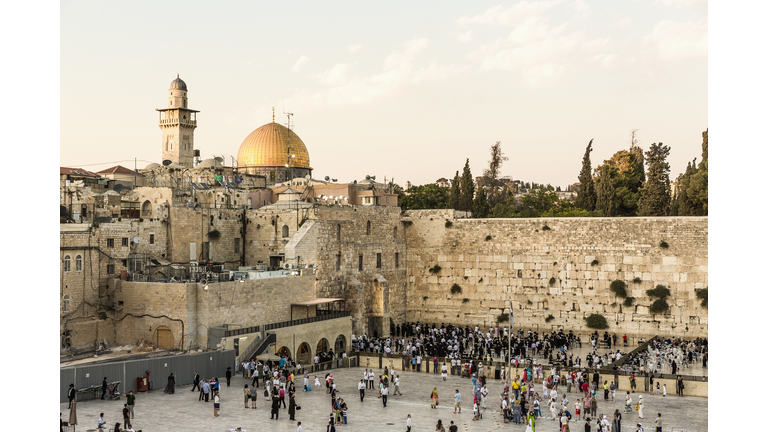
(178, 84)
(210, 163)
(151, 166)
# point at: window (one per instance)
(394, 233)
(397, 259)
(67, 264)
(378, 260)
(125, 263)
(338, 231)
(125, 241)
(110, 243)
(206, 251)
(237, 245)
(360, 263)
(285, 231)
(110, 269)
(65, 303)
(78, 263)
(338, 261)
(387, 199)
(151, 239)
(368, 228)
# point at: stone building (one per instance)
(178, 124)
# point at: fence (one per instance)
(183, 366)
(323, 317)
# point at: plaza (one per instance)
(156, 411)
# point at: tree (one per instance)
(627, 174)
(634, 148)
(586, 198)
(655, 194)
(480, 208)
(692, 186)
(428, 196)
(455, 192)
(606, 194)
(494, 168)
(467, 189)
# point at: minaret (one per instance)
(178, 124)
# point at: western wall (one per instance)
(556, 266)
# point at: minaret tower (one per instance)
(178, 124)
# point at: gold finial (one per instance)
(273, 114)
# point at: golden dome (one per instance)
(268, 146)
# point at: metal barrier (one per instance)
(301, 321)
(207, 364)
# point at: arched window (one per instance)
(338, 231)
(146, 209)
(78, 263)
(249, 203)
(67, 264)
(394, 233)
(65, 303)
(368, 228)
(285, 231)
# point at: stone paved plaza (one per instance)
(157, 411)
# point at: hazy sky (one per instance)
(400, 89)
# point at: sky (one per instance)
(406, 90)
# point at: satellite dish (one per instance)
(197, 206)
(118, 188)
(167, 162)
(367, 177)
(373, 177)
(219, 159)
(354, 182)
(334, 180)
(136, 240)
(327, 178)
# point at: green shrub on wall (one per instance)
(502, 317)
(545, 228)
(619, 288)
(628, 301)
(703, 295)
(487, 238)
(595, 262)
(659, 306)
(448, 224)
(637, 280)
(549, 318)
(660, 292)
(435, 269)
(455, 289)
(596, 321)
(663, 245)
(466, 300)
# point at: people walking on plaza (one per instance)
(281, 392)
(384, 393)
(292, 405)
(131, 400)
(103, 388)
(71, 395)
(616, 424)
(408, 423)
(206, 390)
(628, 403)
(457, 402)
(553, 408)
(640, 407)
(216, 403)
(658, 422)
(275, 408)
(433, 398)
(229, 375)
(246, 395)
(317, 382)
(361, 389)
(664, 392)
(680, 385)
(253, 396)
(126, 415)
(255, 376)
(397, 386)
(593, 402)
(196, 382)
(439, 427)
(200, 388)
(444, 372)
(170, 388)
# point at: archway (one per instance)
(163, 338)
(284, 351)
(305, 354)
(146, 209)
(322, 346)
(285, 231)
(341, 345)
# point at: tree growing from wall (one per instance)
(655, 194)
(586, 197)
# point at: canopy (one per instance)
(268, 356)
(317, 301)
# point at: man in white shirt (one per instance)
(298, 427)
(384, 393)
(397, 386)
(484, 394)
(361, 389)
(418, 363)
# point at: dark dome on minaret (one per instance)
(178, 84)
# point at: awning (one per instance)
(317, 301)
(160, 261)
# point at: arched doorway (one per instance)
(305, 354)
(284, 351)
(341, 345)
(322, 346)
(163, 338)
(146, 209)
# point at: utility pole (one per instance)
(509, 340)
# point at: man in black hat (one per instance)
(103, 388)
(71, 394)
(229, 375)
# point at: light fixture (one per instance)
(205, 288)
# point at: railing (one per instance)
(241, 331)
(244, 354)
(318, 318)
(259, 349)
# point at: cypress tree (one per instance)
(655, 195)
(467, 189)
(455, 192)
(606, 193)
(480, 208)
(586, 197)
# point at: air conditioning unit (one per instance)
(287, 266)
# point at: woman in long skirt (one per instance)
(216, 403)
(433, 398)
(170, 388)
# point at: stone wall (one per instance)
(194, 226)
(235, 304)
(563, 270)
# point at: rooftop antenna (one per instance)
(290, 124)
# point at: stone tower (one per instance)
(178, 124)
